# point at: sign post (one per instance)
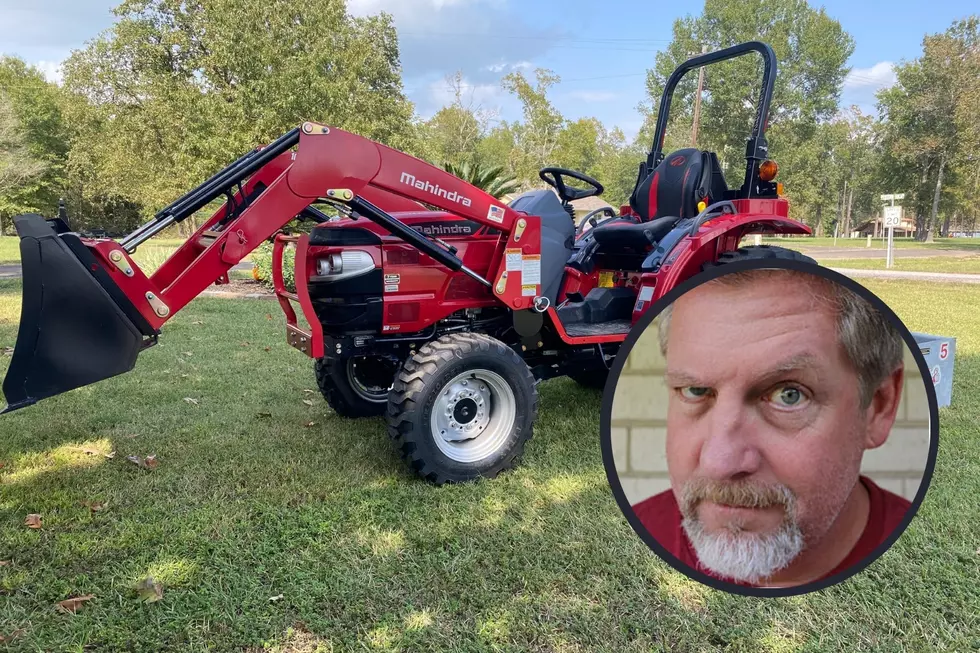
(893, 218)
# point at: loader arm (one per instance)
(88, 295)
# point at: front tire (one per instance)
(462, 408)
(356, 386)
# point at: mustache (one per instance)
(742, 494)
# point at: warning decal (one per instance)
(646, 294)
(393, 278)
(529, 290)
(532, 269)
(392, 287)
(514, 261)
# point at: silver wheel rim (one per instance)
(373, 394)
(473, 416)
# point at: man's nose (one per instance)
(729, 450)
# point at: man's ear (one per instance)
(880, 414)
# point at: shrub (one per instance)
(262, 260)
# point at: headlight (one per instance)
(343, 265)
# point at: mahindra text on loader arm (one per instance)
(429, 301)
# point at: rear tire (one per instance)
(758, 252)
(462, 408)
(346, 392)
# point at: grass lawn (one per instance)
(802, 242)
(269, 533)
(149, 256)
(959, 265)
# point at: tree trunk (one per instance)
(847, 220)
(819, 226)
(935, 199)
(945, 230)
(920, 218)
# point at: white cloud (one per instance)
(436, 37)
(51, 70)
(505, 66)
(593, 96)
(881, 75)
(443, 94)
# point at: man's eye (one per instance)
(694, 392)
(786, 396)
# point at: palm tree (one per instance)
(490, 179)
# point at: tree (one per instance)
(811, 50)
(455, 131)
(491, 179)
(537, 136)
(930, 120)
(175, 89)
(33, 148)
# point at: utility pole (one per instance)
(697, 102)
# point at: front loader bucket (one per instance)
(76, 327)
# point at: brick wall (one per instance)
(639, 428)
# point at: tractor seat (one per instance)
(625, 235)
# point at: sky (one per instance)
(601, 50)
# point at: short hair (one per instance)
(871, 343)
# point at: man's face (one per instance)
(764, 424)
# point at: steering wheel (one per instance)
(570, 193)
(592, 218)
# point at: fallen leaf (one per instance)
(73, 604)
(263, 415)
(4, 563)
(94, 506)
(268, 316)
(149, 590)
(197, 322)
(9, 351)
(268, 348)
(309, 424)
(112, 454)
(33, 521)
(2, 465)
(184, 376)
(188, 353)
(246, 344)
(307, 402)
(131, 436)
(150, 462)
(136, 460)
(275, 598)
(89, 451)
(191, 401)
(309, 392)
(17, 633)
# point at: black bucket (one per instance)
(76, 327)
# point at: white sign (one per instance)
(893, 216)
(899, 196)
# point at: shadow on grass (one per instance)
(276, 536)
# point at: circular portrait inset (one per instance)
(769, 427)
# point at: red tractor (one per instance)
(441, 320)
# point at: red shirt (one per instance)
(661, 516)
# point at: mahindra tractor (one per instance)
(423, 300)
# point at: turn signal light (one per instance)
(768, 170)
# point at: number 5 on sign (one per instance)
(944, 351)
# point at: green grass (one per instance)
(244, 508)
(149, 256)
(947, 264)
(802, 242)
